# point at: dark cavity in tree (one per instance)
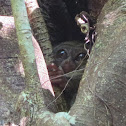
(60, 19)
(70, 55)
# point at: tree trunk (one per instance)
(41, 34)
(39, 29)
(11, 74)
(5, 8)
(101, 96)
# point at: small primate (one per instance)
(67, 68)
(70, 57)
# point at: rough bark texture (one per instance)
(95, 6)
(5, 8)
(40, 32)
(31, 99)
(39, 29)
(101, 97)
(11, 76)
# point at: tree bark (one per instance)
(101, 95)
(39, 29)
(41, 34)
(5, 8)
(31, 100)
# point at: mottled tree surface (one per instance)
(95, 6)
(5, 7)
(101, 97)
(11, 80)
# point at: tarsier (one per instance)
(70, 56)
(66, 71)
(70, 59)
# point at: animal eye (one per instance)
(61, 54)
(80, 57)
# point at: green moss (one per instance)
(66, 115)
